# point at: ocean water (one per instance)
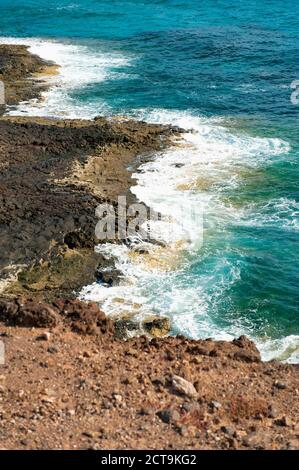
(222, 70)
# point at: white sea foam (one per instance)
(278, 213)
(72, 6)
(284, 349)
(80, 67)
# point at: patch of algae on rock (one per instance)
(62, 275)
(154, 326)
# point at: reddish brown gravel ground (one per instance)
(74, 386)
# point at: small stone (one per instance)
(170, 356)
(184, 387)
(284, 421)
(233, 443)
(240, 434)
(117, 397)
(168, 415)
(197, 360)
(106, 404)
(132, 352)
(48, 396)
(89, 434)
(146, 411)
(71, 412)
(50, 392)
(179, 165)
(215, 405)
(280, 385)
(157, 327)
(188, 431)
(257, 440)
(272, 412)
(141, 250)
(198, 386)
(189, 407)
(44, 336)
(53, 350)
(158, 380)
(229, 430)
(183, 430)
(95, 447)
(86, 354)
(293, 444)
(47, 399)
(6, 335)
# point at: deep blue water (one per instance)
(230, 62)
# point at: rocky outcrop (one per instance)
(82, 317)
(157, 326)
(27, 313)
(128, 325)
(53, 176)
(19, 71)
(54, 173)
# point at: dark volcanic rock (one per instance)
(124, 327)
(156, 326)
(168, 415)
(81, 317)
(107, 273)
(84, 317)
(248, 351)
(28, 313)
(53, 176)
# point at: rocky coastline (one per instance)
(68, 380)
(20, 71)
(53, 176)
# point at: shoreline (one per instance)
(231, 399)
(22, 74)
(93, 170)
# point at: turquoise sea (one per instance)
(221, 69)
